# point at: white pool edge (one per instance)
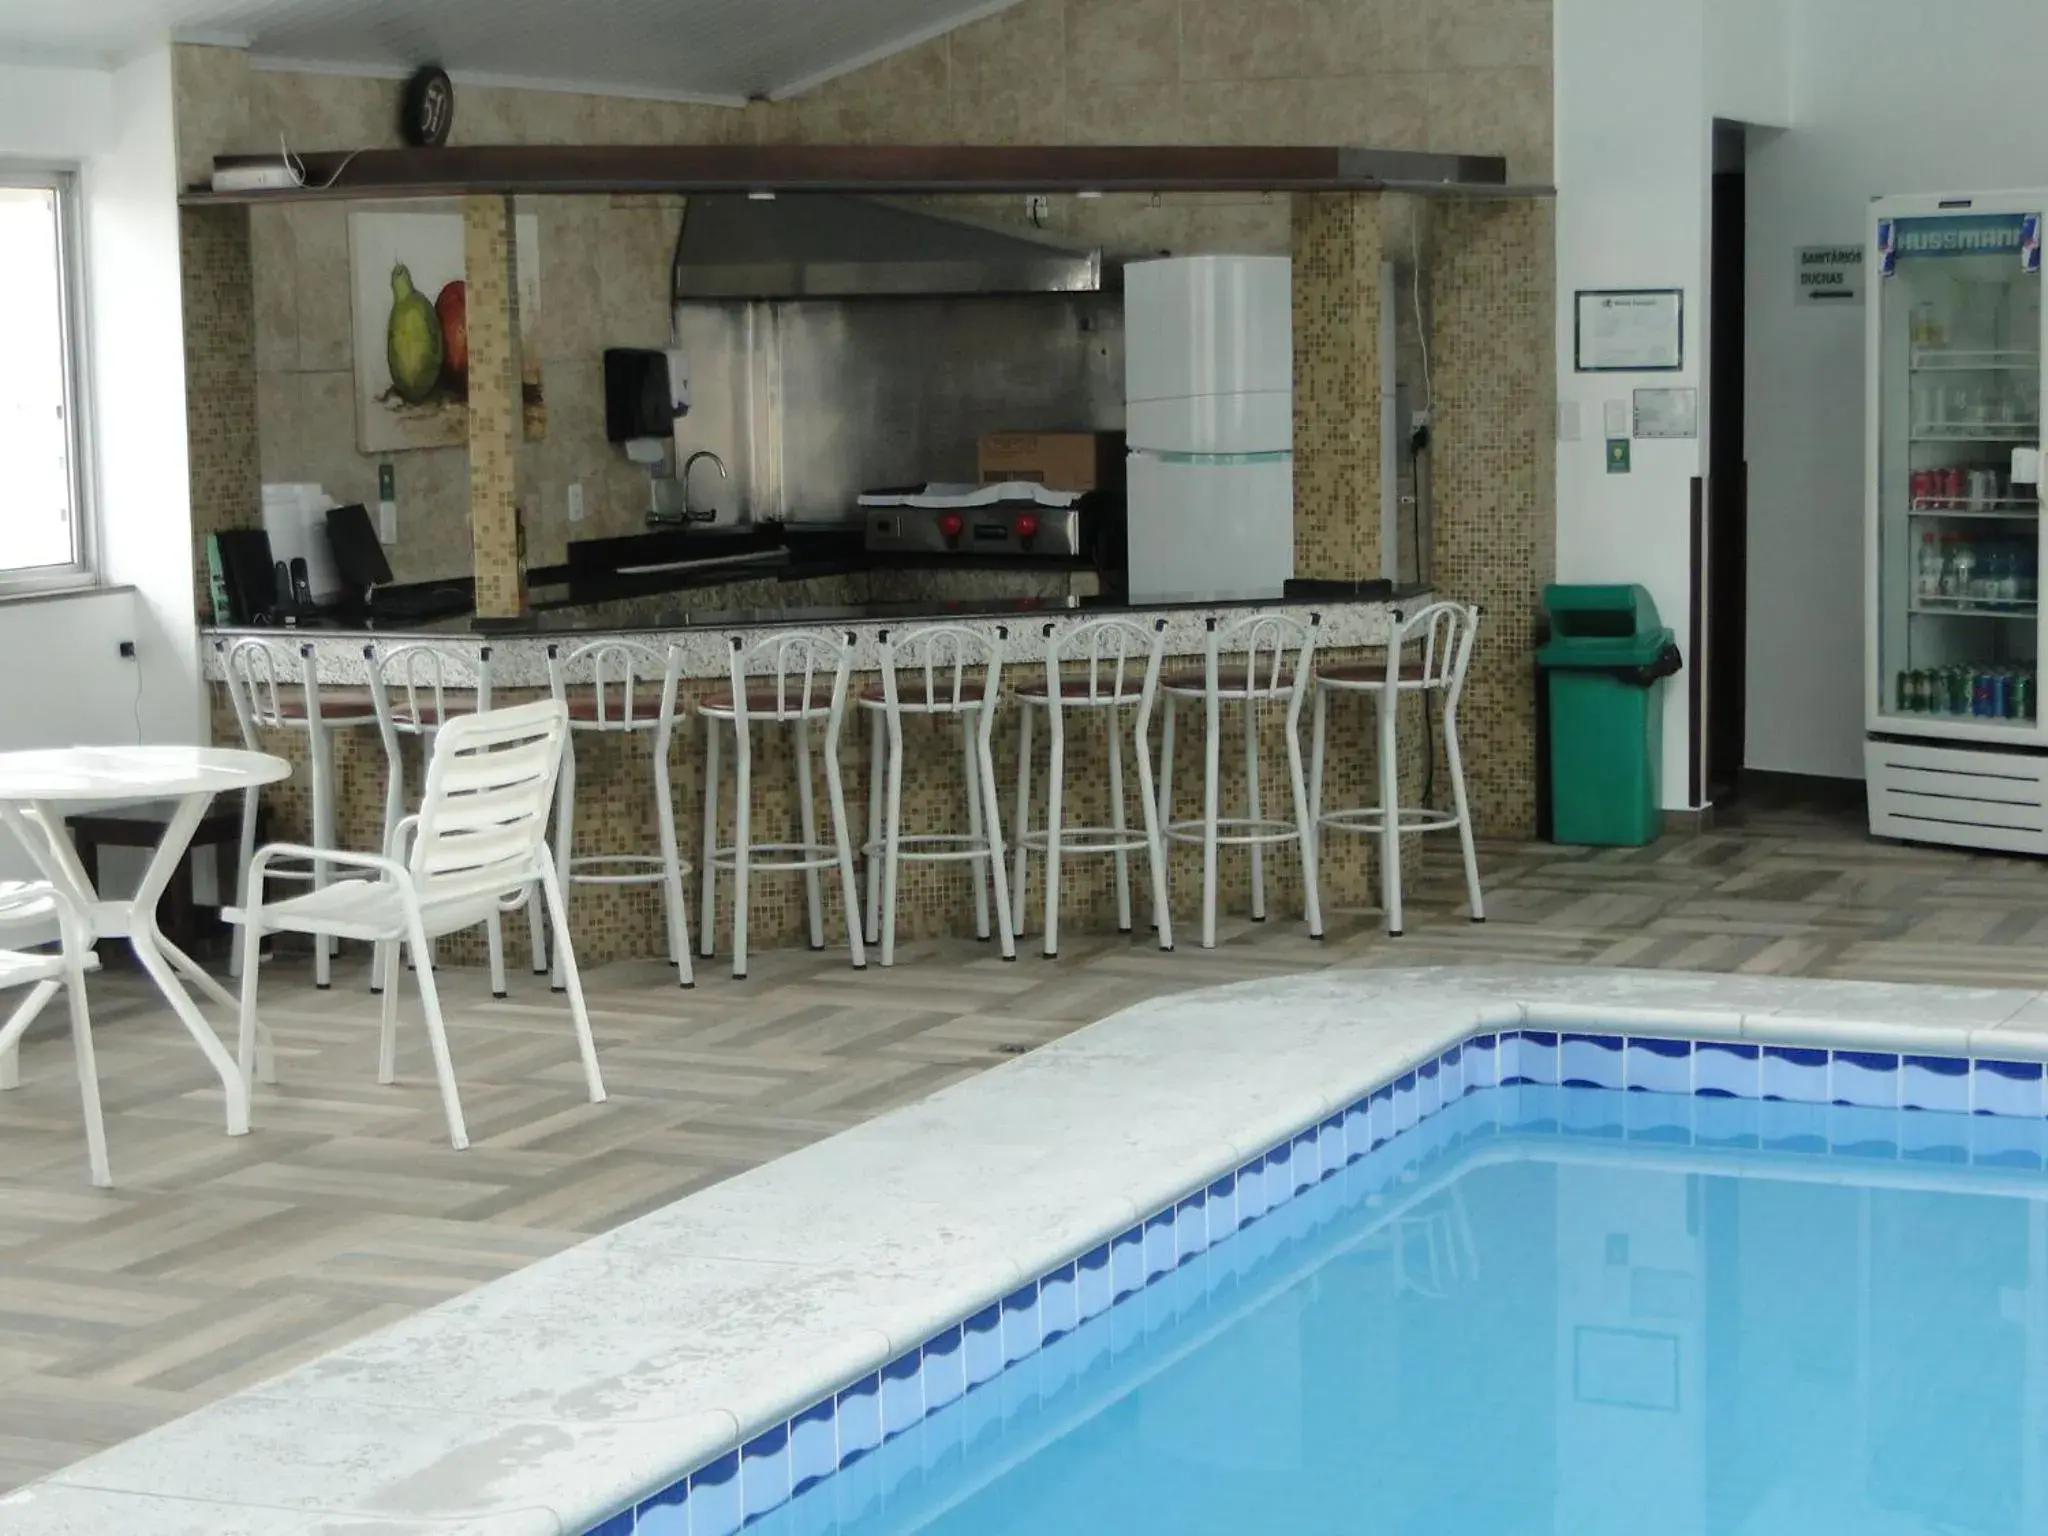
(542, 1402)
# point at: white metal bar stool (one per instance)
(415, 689)
(39, 904)
(611, 688)
(937, 660)
(798, 679)
(1117, 669)
(1426, 655)
(1247, 662)
(274, 686)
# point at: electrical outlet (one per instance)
(127, 650)
(576, 503)
(1037, 207)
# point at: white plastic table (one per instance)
(36, 789)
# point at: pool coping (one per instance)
(656, 1349)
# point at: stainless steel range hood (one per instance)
(816, 245)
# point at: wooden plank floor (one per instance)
(217, 1263)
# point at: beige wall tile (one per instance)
(1342, 37)
(1489, 34)
(1242, 40)
(1126, 114)
(1244, 111)
(322, 285)
(1388, 110)
(1494, 111)
(273, 257)
(1121, 43)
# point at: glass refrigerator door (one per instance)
(1958, 541)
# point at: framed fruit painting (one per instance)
(412, 328)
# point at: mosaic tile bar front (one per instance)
(615, 804)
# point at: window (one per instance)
(45, 532)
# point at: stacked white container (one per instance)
(1209, 417)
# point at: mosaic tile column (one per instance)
(490, 257)
(218, 294)
(1337, 255)
(1494, 494)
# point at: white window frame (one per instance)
(82, 572)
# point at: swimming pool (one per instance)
(1773, 1290)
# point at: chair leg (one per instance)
(1155, 847)
(977, 869)
(849, 884)
(1212, 773)
(245, 1033)
(1319, 735)
(394, 809)
(892, 835)
(245, 853)
(674, 910)
(743, 831)
(1117, 824)
(1166, 774)
(1305, 836)
(565, 834)
(807, 823)
(1390, 812)
(1054, 810)
(536, 939)
(320, 750)
(387, 1024)
(1455, 761)
(494, 945)
(437, 1031)
(579, 1014)
(1020, 824)
(878, 772)
(1254, 809)
(26, 1013)
(707, 899)
(88, 1067)
(999, 874)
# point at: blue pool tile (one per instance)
(1126, 1324)
(1482, 1062)
(1664, 1118)
(2006, 1088)
(1357, 1131)
(714, 1501)
(1591, 1114)
(1795, 1075)
(1331, 1141)
(1725, 1070)
(667, 1513)
(1721, 1121)
(764, 1471)
(1251, 1191)
(1093, 1292)
(814, 1516)
(1429, 1092)
(1127, 1261)
(2004, 1141)
(1018, 1386)
(620, 1524)
(1305, 1159)
(1451, 1073)
(1536, 1057)
(857, 1489)
(1590, 1061)
(1222, 1203)
(1869, 1079)
(944, 1364)
(813, 1445)
(1935, 1082)
(1652, 1065)
(1159, 1244)
(1406, 1108)
(1864, 1131)
(1279, 1175)
(1510, 1058)
(1796, 1126)
(1191, 1227)
(982, 1343)
(1934, 1138)
(859, 1412)
(902, 1394)
(981, 1416)
(1023, 1328)
(1059, 1304)
(1382, 1114)
(1056, 1369)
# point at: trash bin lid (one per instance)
(1601, 625)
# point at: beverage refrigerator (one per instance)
(1956, 749)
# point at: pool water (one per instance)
(1581, 1313)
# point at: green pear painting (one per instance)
(411, 302)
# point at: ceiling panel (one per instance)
(719, 49)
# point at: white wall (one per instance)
(1888, 96)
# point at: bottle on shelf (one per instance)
(1929, 578)
(1963, 566)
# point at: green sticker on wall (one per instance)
(1617, 455)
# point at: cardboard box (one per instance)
(1060, 461)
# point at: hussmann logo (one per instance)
(1989, 235)
(2030, 242)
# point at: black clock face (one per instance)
(429, 108)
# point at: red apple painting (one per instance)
(412, 329)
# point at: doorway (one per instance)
(1721, 538)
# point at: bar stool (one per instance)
(415, 689)
(274, 685)
(788, 672)
(622, 688)
(1246, 664)
(1109, 651)
(938, 659)
(1441, 636)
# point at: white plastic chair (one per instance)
(795, 678)
(1247, 662)
(21, 905)
(415, 689)
(1117, 662)
(623, 688)
(1426, 656)
(274, 686)
(477, 845)
(926, 672)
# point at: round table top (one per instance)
(133, 773)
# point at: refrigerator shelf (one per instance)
(1974, 607)
(1969, 360)
(1978, 432)
(2012, 511)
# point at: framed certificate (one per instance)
(1628, 330)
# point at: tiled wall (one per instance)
(1337, 253)
(491, 268)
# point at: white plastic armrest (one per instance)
(402, 834)
(270, 853)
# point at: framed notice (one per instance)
(1628, 330)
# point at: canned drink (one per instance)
(2001, 696)
(1953, 486)
(1956, 691)
(1906, 688)
(1922, 491)
(1980, 694)
(2023, 696)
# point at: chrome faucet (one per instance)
(689, 464)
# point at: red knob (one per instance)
(951, 525)
(1027, 528)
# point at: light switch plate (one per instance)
(576, 503)
(1614, 415)
(1567, 421)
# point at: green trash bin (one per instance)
(1606, 662)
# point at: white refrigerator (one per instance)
(1209, 424)
(1955, 749)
